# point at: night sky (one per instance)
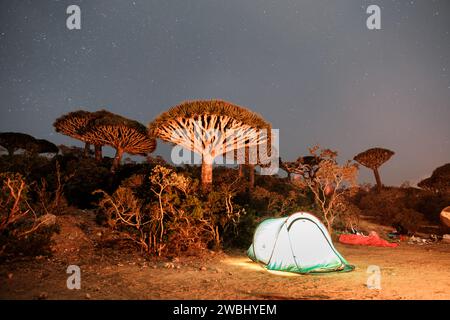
(311, 68)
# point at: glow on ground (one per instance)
(246, 263)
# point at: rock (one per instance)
(88, 296)
(445, 217)
(446, 238)
(218, 270)
(43, 295)
(10, 276)
(202, 268)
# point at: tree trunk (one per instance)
(329, 228)
(206, 173)
(241, 171)
(10, 152)
(98, 153)
(217, 238)
(377, 178)
(87, 148)
(117, 159)
(251, 174)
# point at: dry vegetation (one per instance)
(75, 208)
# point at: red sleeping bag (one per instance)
(371, 240)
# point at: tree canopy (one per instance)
(125, 135)
(210, 128)
(439, 181)
(13, 141)
(71, 125)
(45, 146)
(373, 158)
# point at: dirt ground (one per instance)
(410, 271)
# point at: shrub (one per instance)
(88, 176)
(348, 215)
(241, 235)
(166, 213)
(329, 184)
(22, 229)
(188, 233)
(277, 204)
(32, 168)
(394, 207)
(171, 221)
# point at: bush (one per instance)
(241, 235)
(32, 168)
(330, 182)
(393, 207)
(187, 233)
(347, 218)
(170, 221)
(22, 228)
(88, 176)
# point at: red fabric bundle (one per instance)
(371, 240)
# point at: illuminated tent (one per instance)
(298, 243)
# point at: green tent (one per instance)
(298, 243)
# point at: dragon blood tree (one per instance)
(124, 135)
(210, 128)
(373, 159)
(439, 182)
(44, 146)
(70, 125)
(255, 157)
(13, 141)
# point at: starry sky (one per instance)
(310, 67)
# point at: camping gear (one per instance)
(371, 240)
(396, 236)
(418, 240)
(298, 243)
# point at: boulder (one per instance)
(445, 217)
(446, 238)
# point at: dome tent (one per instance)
(298, 243)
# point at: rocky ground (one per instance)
(111, 269)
